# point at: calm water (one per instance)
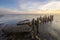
(13, 18)
(53, 28)
(16, 17)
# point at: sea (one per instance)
(12, 19)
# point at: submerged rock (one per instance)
(23, 22)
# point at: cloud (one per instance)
(8, 11)
(33, 5)
(55, 5)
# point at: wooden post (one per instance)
(33, 25)
(37, 29)
(37, 26)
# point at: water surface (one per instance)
(53, 28)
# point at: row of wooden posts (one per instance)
(35, 23)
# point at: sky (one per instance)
(29, 6)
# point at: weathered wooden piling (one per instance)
(51, 18)
(37, 26)
(33, 24)
(33, 30)
(40, 18)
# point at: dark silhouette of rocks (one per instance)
(27, 30)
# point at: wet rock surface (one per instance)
(15, 35)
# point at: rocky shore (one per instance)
(26, 30)
(22, 32)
